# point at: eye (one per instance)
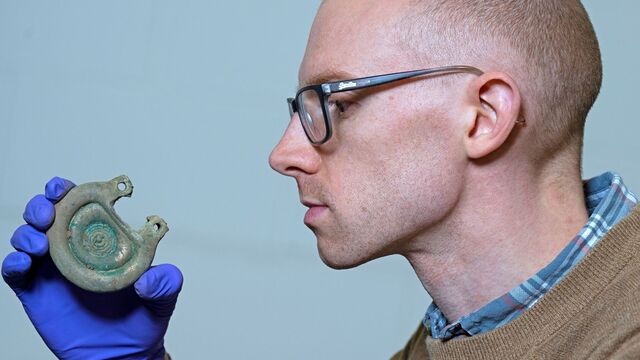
(339, 108)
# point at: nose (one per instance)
(294, 154)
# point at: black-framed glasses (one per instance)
(312, 105)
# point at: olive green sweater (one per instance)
(593, 313)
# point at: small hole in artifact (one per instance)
(122, 186)
(156, 227)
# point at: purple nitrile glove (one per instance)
(78, 324)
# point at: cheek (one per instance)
(403, 183)
(420, 186)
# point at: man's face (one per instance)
(388, 174)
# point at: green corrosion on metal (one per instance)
(92, 246)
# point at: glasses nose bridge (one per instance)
(295, 121)
(293, 106)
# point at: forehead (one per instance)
(353, 38)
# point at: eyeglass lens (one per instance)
(311, 116)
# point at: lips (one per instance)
(311, 204)
(313, 214)
(316, 210)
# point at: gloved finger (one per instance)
(39, 212)
(160, 282)
(160, 286)
(57, 188)
(15, 269)
(33, 242)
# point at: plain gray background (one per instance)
(187, 98)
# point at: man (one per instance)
(472, 175)
(447, 131)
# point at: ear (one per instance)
(495, 99)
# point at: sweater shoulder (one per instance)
(415, 347)
(606, 327)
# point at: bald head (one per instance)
(548, 46)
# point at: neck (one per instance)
(502, 231)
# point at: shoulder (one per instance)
(415, 347)
(610, 324)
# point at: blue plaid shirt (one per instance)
(607, 200)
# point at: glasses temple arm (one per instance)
(365, 82)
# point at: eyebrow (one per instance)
(325, 77)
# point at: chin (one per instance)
(337, 264)
(339, 258)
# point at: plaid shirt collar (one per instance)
(608, 201)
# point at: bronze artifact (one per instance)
(92, 246)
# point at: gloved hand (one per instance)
(77, 324)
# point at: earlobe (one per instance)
(495, 99)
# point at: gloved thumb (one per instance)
(15, 269)
(159, 287)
